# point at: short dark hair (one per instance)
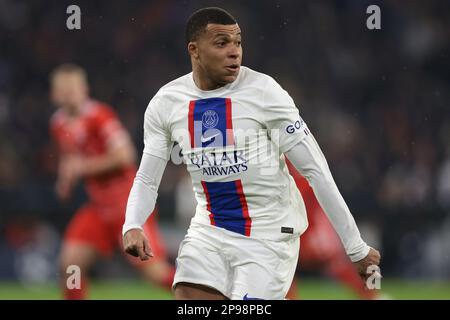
(198, 21)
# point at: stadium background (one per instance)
(377, 101)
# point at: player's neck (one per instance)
(203, 82)
(75, 110)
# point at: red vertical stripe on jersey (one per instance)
(248, 220)
(208, 203)
(191, 122)
(229, 133)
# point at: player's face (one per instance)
(220, 53)
(69, 91)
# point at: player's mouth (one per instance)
(233, 68)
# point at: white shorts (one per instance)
(237, 266)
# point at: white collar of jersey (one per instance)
(218, 90)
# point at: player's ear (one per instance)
(193, 49)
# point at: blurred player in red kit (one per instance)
(95, 147)
(321, 248)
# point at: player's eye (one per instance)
(221, 43)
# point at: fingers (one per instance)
(368, 268)
(147, 250)
(142, 254)
(139, 251)
(63, 191)
(136, 244)
(364, 265)
(373, 257)
(377, 256)
(132, 250)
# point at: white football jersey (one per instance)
(232, 140)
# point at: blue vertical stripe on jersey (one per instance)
(213, 134)
(228, 206)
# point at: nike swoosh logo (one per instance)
(209, 138)
(246, 297)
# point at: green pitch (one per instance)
(308, 289)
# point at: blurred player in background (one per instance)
(95, 147)
(321, 248)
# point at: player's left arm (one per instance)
(291, 135)
(308, 159)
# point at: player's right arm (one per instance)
(65, 179)
(143, 194)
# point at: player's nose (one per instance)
(234, 52)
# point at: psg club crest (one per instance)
(210, 123)
(210, 119)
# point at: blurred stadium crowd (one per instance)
(377, 101)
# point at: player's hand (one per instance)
(135, 243)
(65, 181)
(70, 170)
(73, 167)
(372, 258)
(63, 189)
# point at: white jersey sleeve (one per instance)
(282, 119)
(309, 160)
(157, 140)
(143, 194)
